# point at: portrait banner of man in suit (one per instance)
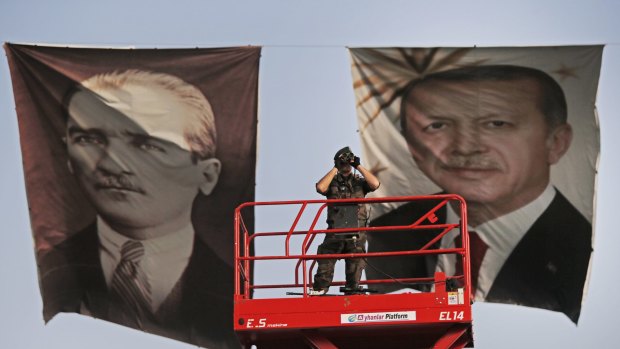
(134, 161)
(513, 131)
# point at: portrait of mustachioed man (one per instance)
(137, 184)
(513, 137)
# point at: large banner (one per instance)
(134, 161)
(512, 130)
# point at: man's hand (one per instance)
(355, 162)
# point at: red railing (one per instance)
(245, 238)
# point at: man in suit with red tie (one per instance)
(142, 147)
(490, 134)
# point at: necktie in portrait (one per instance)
(130, 287)
(477, 250)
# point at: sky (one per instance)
(306, 113)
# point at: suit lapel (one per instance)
(403, 267)
(96, 296)
(547, 268)
(199, 307)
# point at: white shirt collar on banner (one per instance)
(165, 258)
(501, 235)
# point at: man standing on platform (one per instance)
(341, 183)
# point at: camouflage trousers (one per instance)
(353, 266)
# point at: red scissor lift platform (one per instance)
(437, 318)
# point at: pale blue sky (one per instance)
(305, 83)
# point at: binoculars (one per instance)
(346, 158)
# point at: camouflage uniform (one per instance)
(341, 187)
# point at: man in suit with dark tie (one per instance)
(142, 147)
(491, 134)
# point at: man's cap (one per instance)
(342, 151)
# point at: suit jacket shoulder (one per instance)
(548, 268)
(68, 271)
(382, 241)
(205, 306)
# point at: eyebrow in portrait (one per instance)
(76, 132)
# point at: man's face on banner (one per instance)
(134, 179)
(487, 141)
